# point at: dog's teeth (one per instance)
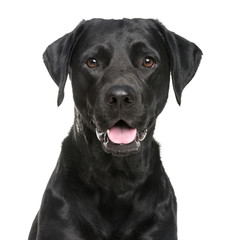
(106, 138)
(102, 136)
(97, 134)
(142, 135)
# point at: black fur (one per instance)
(121, 191)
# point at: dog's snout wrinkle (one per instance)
(120, 96)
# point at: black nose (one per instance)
(120, 96)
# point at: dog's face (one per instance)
(120, 72)
(112, 70)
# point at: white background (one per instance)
(198, 139)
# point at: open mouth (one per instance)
(121, 139)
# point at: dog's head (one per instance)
(120, 72)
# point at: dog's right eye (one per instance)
(92, 63)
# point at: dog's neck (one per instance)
(118, 174)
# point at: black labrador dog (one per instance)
(109, 182)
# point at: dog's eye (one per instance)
(148, 62)
(92, 63)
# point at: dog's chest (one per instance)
(111, 218)
(115, 209)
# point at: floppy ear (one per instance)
(185, 57)
(57, 58)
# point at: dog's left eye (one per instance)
(92, 63)
(148, 62)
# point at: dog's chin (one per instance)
(121, 140)
(122, 150)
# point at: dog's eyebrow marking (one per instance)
(140, 47)
(97, 50)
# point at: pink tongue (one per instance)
(122, 135)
